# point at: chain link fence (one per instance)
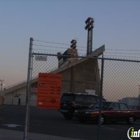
(94, 80)
(121, 80)
(87, 82)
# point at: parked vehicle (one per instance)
(110, 111)
(72, 101)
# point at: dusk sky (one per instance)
(117, 25)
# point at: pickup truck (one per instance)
(110, 111)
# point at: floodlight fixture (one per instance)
(73, 44)
(89, 23)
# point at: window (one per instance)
(67, 97)
(104, 105)
(115, 106)
(90, 99)
(123, 107)
(79, 98)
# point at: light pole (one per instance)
(1, 84)
(89, 27)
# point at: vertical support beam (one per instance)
(71, 80)
(89, 27)
(87, 42)
(28, 90)
(101, 91)
(91, 40)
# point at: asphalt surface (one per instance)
(51, 122)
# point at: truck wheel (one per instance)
(130, 120)
(102, 119)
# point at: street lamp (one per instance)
(89, 27)
(1, 84)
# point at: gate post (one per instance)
(28, 90)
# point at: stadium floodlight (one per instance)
(89, 27)
(73, 44)
(89, 23)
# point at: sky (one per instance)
(117, 25)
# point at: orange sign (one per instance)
(49, 90)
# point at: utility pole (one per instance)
(1, 83)
(89, 27)
(26, 129)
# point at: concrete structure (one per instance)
(81, 76)
(77, 76)
(64, 60)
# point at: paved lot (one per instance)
(51, 122)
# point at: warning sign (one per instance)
(49, 90)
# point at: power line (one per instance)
(57, 43)
(121, 50)
(48, 46)
(46, 50)
(112, 50)
(51, 42)
(54, 47)
(78, 45)
(79, 49)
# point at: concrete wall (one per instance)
(81, 77)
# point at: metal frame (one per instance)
(89, 27)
